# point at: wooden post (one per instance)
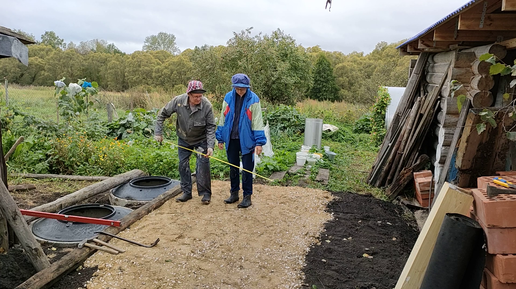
(109, 112)
(6, 92)
(64, 177)
(13, 148)
(496, 49)
(449, 200)
(457, 134)
(15, 219)
(4, 235)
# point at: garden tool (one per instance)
(130, 241)
(70, 218)
(212, 157)
(493, 191)
(504, 183)
(100, 242)
(85, 243)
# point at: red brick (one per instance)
(424, 184)
(499, 240)
(422, 174)
(499, 211)
(503, 267)
(506, 173)
(493, 283)
(424, 201)
(483, 181)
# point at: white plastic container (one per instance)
(311, 161)
(305, 148)
(331, 155)
(301, 158)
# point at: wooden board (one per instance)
(30, 245)
(4, 235)
(449, 200)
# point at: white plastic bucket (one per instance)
(311, 161)
(305, 148)
(301, 158)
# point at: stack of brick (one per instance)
(497, 216)
(424, 186)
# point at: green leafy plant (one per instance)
(74, 100)
(284, 119)
(455, 86)
(497, 67)
(378, 115)
(136, 122)
(363, 124)
(487, 116)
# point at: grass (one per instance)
(355, 152)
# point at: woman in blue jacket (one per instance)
(240, 128)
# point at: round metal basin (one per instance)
(141, 190)
(63, 233)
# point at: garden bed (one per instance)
(292, 237)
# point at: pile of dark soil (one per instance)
(366, 245)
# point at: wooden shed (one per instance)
(12, 44)
(428, 130)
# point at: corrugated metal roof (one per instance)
(458, 11)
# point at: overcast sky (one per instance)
(351, 25)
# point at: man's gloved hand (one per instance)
(209, 153)
(158, 138)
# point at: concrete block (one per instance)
(323, 176)
(503, 267)
(499, 211)
(277, 175)
(295, 169)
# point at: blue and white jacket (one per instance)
(250, 127)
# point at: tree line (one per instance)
(281, 70)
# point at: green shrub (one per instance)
(378, 116)
(363, 124)
(284, 119)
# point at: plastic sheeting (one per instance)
(396, 93)
(12, 47)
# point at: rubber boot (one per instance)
(184, 197)
(206, 199)
(232, 198)
(246, 202)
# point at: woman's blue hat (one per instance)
(240, 80)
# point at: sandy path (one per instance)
(219, 245)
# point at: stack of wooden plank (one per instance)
(497, 216)
(399, 155)
(423, 185)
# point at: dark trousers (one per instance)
(233, 153)
(202, 168)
